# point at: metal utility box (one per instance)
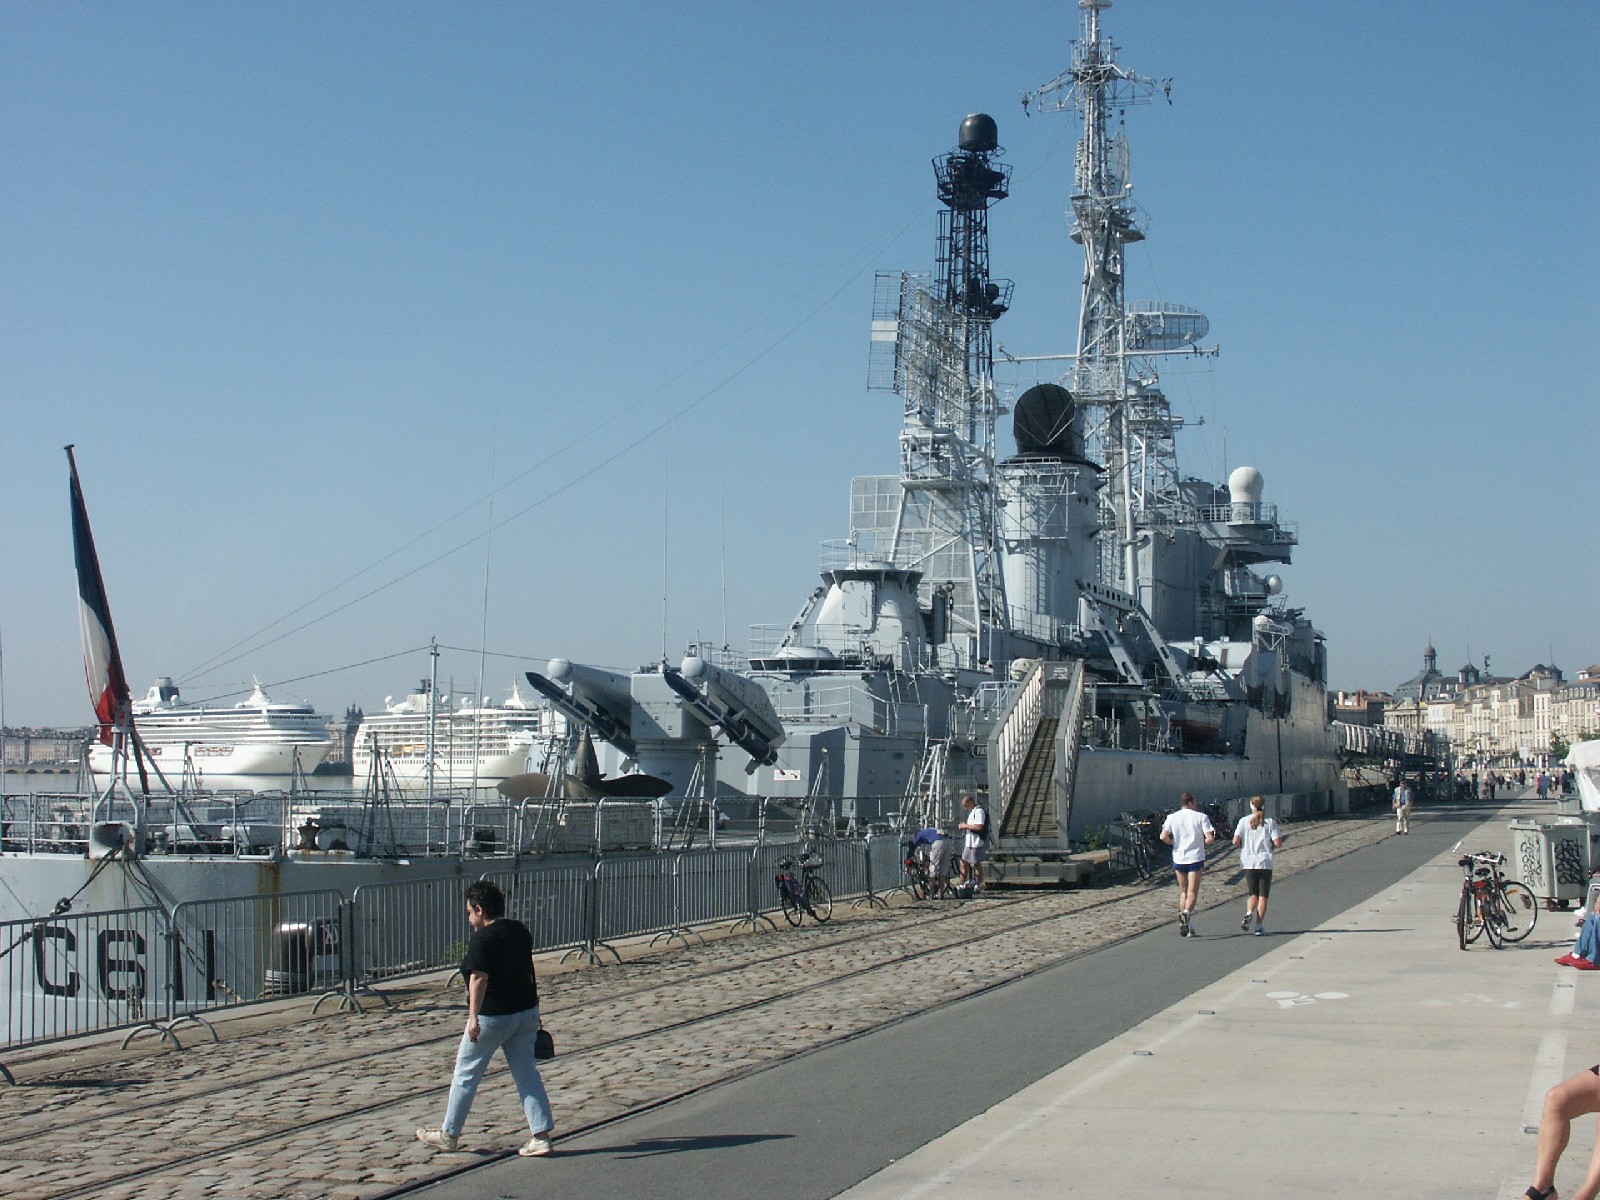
(1551, 857)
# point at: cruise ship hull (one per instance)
(223, 758)
(410, 770)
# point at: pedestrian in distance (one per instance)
(1564, 1103)
(1403, 798)
(975, 827)
(1188, 831)
(1257, 836)
(502, 1014)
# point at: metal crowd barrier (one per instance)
(407, 927)
(148, 970)
(554, 900)
(247, 948)
(68, 975)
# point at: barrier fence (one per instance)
(152, 970)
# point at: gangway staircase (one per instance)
(1033, 756)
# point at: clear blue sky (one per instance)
(305, 282)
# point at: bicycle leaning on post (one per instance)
(1141, 835)
(803, 893)
(1492, 906)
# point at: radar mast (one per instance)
(1132, 426)
(933, 343)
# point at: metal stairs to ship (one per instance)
(1032, 847)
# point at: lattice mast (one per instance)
(1132, 434)
(943, 367)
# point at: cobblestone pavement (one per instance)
(294, 1105)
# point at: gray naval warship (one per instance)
(1057, 621)
(1065, 625)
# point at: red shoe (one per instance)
(1583, 964)
(1566, 959)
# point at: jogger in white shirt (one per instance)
(1188, 831)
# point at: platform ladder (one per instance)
(538, 835)
(924, 799)
(695, 811)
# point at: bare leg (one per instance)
(1191, 899)
(1570, 1098)
(1261, 909)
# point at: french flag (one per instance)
(102, 661)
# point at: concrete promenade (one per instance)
(1367, 1056)
(1356, 1049)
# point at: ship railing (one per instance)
(1011, 739)
(869, 549)
(856, 705)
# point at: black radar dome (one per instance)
(1042, 423)
(979, 133)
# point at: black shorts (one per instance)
(1258, 881)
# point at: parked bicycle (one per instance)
(1219, 820)
(1142, 835)
(805, 892)
(1492, 906)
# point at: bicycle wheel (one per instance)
(917, 883)
(1489, 920)
(1466, 928)
(819, 898)
(790, 902)
(1519, 909)
(1141, 856)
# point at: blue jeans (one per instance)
(1589, 939)
(512, 1034)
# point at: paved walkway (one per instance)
(1405, 1033)
(1369, 1056)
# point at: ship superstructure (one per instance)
(1084, 565)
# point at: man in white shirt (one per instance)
(1188, 831)
(975, 827)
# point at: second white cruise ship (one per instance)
(474, 745)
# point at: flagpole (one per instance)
(102, 660)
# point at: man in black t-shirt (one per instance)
(502, 1012)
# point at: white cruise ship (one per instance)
(473, 745)
(257, 736)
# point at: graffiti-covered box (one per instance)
(1552, 857)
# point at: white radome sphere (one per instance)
(1244, 485)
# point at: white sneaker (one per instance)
(537, 1146)
(437, 1138)
(1245, 924)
